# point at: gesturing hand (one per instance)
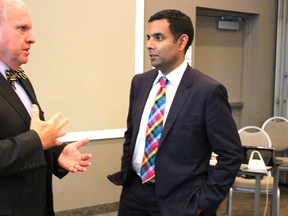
(71, 158)
(50, 130)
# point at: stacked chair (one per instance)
(257, 137)
(277, 129)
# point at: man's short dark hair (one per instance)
(180, 24)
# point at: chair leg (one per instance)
(275, 208)
(278, 201)
(229, 202)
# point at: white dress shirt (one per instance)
(18, 89)
(174, 79)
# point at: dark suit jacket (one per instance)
(199, 121)
(25, 169)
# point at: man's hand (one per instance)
(50, 130)
(71, 158)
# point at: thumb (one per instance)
(81, 143)
(34, 117)
(35, 112)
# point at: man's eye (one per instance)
(156, 37)
(22, 28)
(159, 37)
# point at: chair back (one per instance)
(277, 129)
(254, 136)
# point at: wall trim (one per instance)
(139, 39)
(94, 135)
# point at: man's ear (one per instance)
(183, 40)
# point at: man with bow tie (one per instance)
(30, 151)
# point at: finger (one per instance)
(72, 169)
(85, 163)
(85, 157)
(35, 112)
(57, 117)
(61, 134)
(58, 143)
(59, 121)
(62, 123)
(81, 143)
(80, 168)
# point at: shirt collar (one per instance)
(174, 76)
(3, 68)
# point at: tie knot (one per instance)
(163, 81)
(12, 75)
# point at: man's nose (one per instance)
(149, 44)
(30, 39)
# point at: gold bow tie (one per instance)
(13, 75)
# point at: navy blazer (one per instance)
(199, 122)
(25, 168)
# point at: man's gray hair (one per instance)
(3, 3)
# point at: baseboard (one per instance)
(91, 210)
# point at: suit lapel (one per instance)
(26, 84)
(29, 90)
(143, 87)
(13, 99)
(181, 95)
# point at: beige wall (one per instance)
(83, 45)
(83, 60)
(92, 187)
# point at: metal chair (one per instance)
(277, 129)
(257, 137)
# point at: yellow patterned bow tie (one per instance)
(13, 75)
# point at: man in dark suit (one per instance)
(197, 121)
(29, 149)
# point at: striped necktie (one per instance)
(12, 76)
(153, 133)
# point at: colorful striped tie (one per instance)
(153, 133)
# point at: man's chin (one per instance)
(23, 61)
(154, 65)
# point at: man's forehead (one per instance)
(162, 22)
(160, 26)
